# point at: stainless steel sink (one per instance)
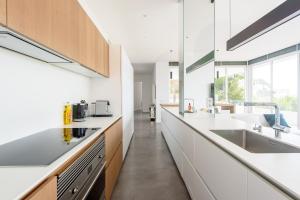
(255, 143)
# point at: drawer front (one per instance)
(225, 176)
(258, 188)
(112, 172)
(113, 138)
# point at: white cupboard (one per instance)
(209, 172)
(258, 188)
(224, 175)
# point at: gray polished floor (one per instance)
(149, 172)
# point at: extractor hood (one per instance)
(20, 44)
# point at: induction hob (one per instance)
(42, 148)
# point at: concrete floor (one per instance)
(149, 172)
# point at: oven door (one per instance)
(94, 187)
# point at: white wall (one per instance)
(110, 89)
(162, 73)
(127, 100)
(197, 84)
(147, 82)
(33, 94)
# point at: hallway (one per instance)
(149, 172)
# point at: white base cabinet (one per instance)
(209, 172)
(258, 188)
(225, 176)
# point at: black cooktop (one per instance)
(42, 148)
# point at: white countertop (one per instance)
(15, 182)
(282, 169)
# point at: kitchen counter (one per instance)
(16, 182)
(281, 170)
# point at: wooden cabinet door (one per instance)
(3, 12)
(31, 18)
(61, 26)
(100, 54)
(106, 59)
(74, 31)
(82, 37)
(91, 44)
(113, 138)
(112, 172)
(46, 191)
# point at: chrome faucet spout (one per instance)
(277, 127)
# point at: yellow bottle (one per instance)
(67, 114)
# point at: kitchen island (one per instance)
(215, 168)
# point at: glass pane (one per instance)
(220, 87)
(285, 86)
(174, 85)
(261, 83)
(236, 84)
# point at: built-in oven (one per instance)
(85, 178)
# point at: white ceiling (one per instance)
(147, 29)
(143, 68)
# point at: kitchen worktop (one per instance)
(18, 181)
(281, 169)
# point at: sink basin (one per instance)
(255, 143)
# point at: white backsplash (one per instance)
(32, 94)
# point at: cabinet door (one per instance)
(113, 138)
(46, 191)
(100, 54)
(225, 177)
(3, 12)
(61, 26)
(106, 59)
(82, 37)
(91, 44)
(112, 172)
(31, 18)
(258, 188)
(73, 51)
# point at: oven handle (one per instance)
(88, 190)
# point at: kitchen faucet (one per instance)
(277, 127)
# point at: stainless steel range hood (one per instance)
(20, 44)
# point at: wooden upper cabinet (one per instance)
(31, 18)
(3, 12)
(74, 30)
(99, 54)
(60, 37)
(91, 44)
(106, 59)
(82, 37)
(61, 25)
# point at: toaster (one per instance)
(101, 108)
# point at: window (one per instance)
(261, 83)
(174, 85)
(276, 81)
(230, 84)
(285, 86)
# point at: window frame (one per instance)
(249, 87)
